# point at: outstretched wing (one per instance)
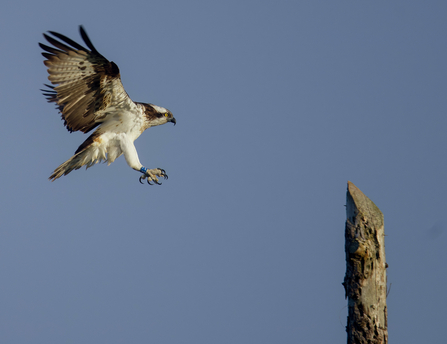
(87, 83)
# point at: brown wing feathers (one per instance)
(78, 73)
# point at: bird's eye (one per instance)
(166, 114)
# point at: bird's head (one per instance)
(169, 117)
(162, 116)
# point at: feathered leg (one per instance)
(131, 156)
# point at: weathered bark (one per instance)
(365, 280)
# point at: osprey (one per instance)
(89, 94)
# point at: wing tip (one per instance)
(87, 40)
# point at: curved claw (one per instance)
(157, 182)
(143, 177)
(163, 173)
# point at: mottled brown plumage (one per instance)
(82, 77)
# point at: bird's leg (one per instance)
(152, 175)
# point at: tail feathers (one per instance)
(89, 156)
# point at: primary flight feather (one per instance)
(89, 94)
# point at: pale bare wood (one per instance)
(365, 279)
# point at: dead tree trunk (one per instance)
(365, 280)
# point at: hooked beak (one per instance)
(173, 120)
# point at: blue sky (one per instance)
(278, 104)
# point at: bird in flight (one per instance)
(89, 94)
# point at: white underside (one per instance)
(114, 137)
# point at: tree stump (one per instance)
(365, 279)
